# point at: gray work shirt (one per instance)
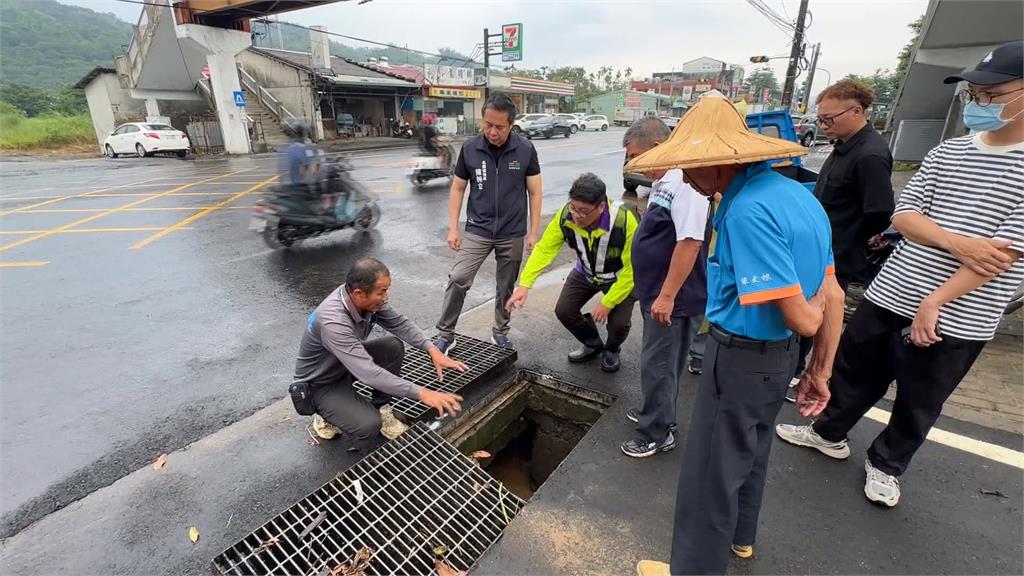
(332, 345)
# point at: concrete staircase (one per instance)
(273, 135)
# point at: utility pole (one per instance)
(794, 56)
(487, 60)
(810, 78)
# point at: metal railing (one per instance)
(142, 35)
(263, 96)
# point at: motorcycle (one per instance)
(336, 202)
(401, 129)
(427, 166)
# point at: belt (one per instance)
(730, 340)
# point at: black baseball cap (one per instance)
(1003, 64)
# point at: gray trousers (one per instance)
(698, 340)
(342, 406)
(730, 438)
(662, 365)
(508, 254)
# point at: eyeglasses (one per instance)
(982, 98)
(579, 212)
(828, 121)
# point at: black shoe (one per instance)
(641, 448)
(610, 361)
(585, 353)
(633, 415)
(695, 366)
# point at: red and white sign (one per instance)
(206, 72)
(765, 96)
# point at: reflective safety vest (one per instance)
(598, 251)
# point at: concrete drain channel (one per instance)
(420, 499)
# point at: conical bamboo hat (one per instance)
(713, 133)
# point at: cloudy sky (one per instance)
(647, 35)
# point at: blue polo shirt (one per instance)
(774, 241)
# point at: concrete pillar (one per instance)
(220, 47)
(152, 108)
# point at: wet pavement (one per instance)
(140, 314)
(185, 345)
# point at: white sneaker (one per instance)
(323, 429)
(806, 436)
(880, 487)
(390, 426)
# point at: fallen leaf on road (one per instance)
(160, 462)
(444, 569)
(266, 544)
(193, 534)
(354, 566)
(480, 455)
(993, 493)
(320, 518)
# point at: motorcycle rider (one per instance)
(429, 142)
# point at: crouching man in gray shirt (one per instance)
(335, 352)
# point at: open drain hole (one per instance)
(529, 426)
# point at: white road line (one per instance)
(963, 443)
(623, 152)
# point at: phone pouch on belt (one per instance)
(302, 398)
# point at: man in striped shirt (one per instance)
(940, 296)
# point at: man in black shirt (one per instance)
(854, 185)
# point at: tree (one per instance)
(883, 82)
(908, 49)
(759, 80)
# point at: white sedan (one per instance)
(595, 122)
(145, 139)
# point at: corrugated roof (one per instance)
(343, 69)
(91, 75)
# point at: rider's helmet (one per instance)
(296, 128)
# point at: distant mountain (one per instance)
(46, 44)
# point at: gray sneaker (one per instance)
(807, 437)
(639, 448)
(502, 341)
(880, 487)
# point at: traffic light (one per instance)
(758, 59)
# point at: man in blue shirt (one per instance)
(770, 276)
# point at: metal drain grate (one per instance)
(482, 358)
(411, 500)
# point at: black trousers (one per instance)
(341, 405)
(807, 342)
(576, 292)
(871, 355)
(730, 438)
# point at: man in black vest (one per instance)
(602, 238)
(499, 167)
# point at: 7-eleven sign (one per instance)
(511, 42)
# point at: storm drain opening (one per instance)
(528, 427)
(483, 359)
(412, 502)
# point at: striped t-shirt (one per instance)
(969, 188)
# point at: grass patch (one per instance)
(50, 131)
(905, 166)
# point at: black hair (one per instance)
(363, 275)
(588, 188)
(501, 102)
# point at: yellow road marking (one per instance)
(88, 230)
(98, 215)
(61, 198)
(22, 264)
(963, 443)
(198, 215)
(74, 210)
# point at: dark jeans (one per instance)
(730, 438)
(807, 342)
(871, 355)
(341, 405)
(576, 292)
(662, 365)
(698, 339)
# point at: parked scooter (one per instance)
(427, 166)
(293, 213)
(400, 129)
